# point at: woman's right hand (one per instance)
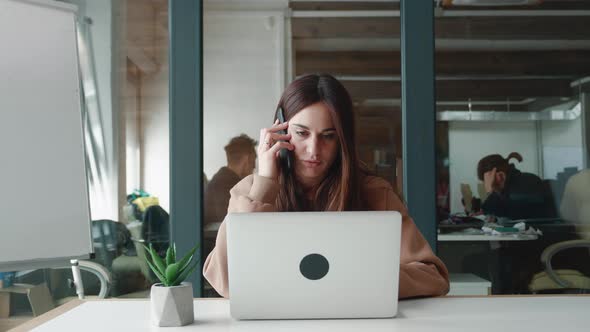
(271, 142)
(489, 180)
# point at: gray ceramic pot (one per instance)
(172, 306)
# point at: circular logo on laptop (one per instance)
(314, 266)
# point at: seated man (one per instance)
(241, 160)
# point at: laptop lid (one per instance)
(303, 265)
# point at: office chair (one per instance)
(154, 229)
(38, 294)
(110, 240)
(575, 209)
(560, 280)
(99, 271)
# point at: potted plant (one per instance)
(171, 300)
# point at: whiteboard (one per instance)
(44, 208)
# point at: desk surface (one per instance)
(486, 237)
(499, 313)
(210, 231)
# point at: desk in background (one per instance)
(486, 237)
(210, 230)
(468, 284)
(505, 313)
(493, 257)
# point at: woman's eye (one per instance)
(329, 136)
(300, 133)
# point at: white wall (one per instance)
(132, 136)
(470, 141)
(243, 77)
(562, 146)
(156, 138)
(146, 34)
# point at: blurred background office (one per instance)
(509, 78)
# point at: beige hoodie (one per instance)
(421, 272)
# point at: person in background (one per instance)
(513, 194)
(241, 161)
(326, 175)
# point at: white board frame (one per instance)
(45, 214)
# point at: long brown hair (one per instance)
(340, 189)
(496, 161)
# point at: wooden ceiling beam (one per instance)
(464, 89)
(545, 5)
(395, 111)
(347, 5)
(573, 63)
(367, 5)
(488, 28)
(345, 27)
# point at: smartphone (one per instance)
(285, 156)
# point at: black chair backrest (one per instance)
(109, 239)
(156, 228)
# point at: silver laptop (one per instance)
(307, 265)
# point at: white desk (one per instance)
(468, 284)
(493, 314)
(486, 237)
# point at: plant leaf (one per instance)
(172, 272)
(158, 262)
(157, 273)
(183, 275)
(174, 252)
(170, 256)
(186, 260)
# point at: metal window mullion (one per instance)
(186, 128)
(418, 114)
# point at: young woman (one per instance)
(325, 176)
(513, 194)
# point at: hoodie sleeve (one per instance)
(253, 194)
(422, 273)
(495, 204)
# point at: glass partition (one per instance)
(251, 54)
(512, 145)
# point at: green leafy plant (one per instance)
(167, 269)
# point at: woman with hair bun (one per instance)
(513, 194)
